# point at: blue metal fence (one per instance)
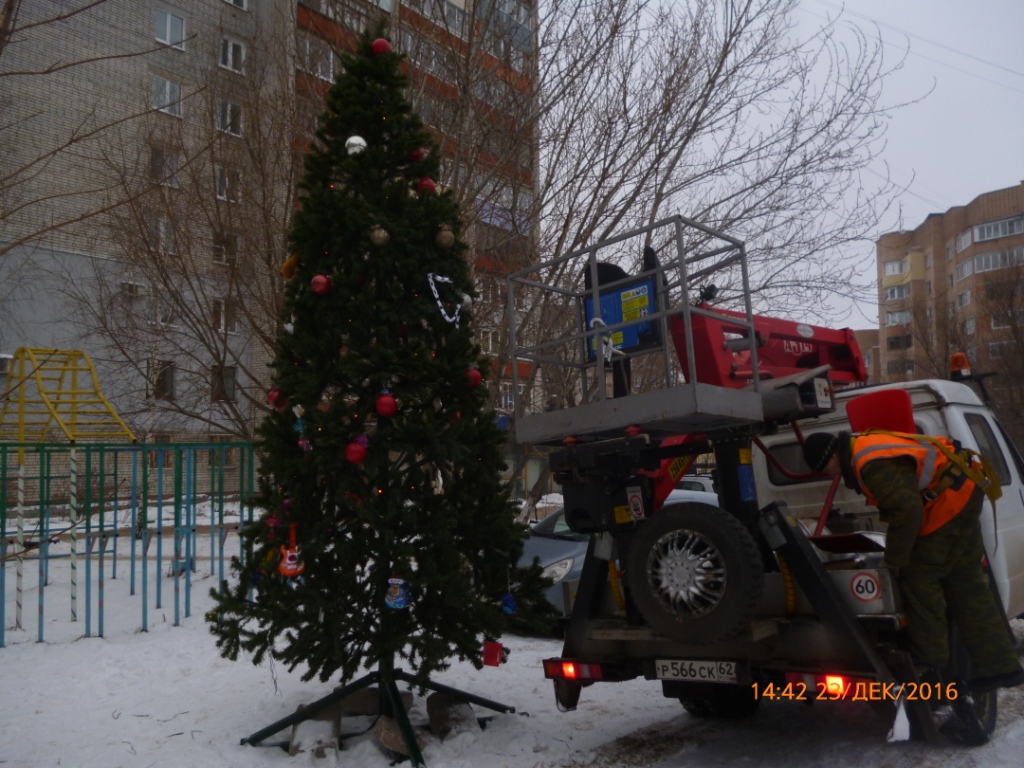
(78, 502)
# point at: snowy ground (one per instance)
(165, 698)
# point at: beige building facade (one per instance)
(954, 284)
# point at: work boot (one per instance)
(992, 682)
(966, 729)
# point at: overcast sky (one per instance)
(967, 136)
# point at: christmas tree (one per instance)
(386, 530)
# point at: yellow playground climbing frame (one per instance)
(57, 389)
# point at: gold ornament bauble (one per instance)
(379, 236)
(445, 238)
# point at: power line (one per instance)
(912, 52)
(923, 39)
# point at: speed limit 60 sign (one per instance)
(865, 586)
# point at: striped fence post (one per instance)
(19, 584)
(73, 522)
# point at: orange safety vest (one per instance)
(932, 464)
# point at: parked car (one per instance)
(561, 550)
(697, 483)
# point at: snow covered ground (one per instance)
(165, 698)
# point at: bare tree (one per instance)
(191, 300)
(622, 112)
(1001, 343)
(35, 144)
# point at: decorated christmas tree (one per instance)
(386, 531)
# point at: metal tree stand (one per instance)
(390, 705)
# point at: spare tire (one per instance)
(695, 573)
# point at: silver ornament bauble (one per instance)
(355, 144)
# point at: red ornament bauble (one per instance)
(386, 405)
(276, 398)
(417, 155)
(380, 46)
(475, 377)
(426, 185)
(355, 453)
(321, 284)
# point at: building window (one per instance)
(928, 287)
(1011, 257)
(949, 254)
(898, 318)
(161, 380)
(896, 367)
(160, 234)
(506, 402)
(967, 326)
(927, 261)
(894, 343)
(895, 267)
(992, 230)
(897, 292)
(1003, 320)
(243, 4)
(223, 384)
(949, 280)
(225, 248)
(929, 313)
(161, 308)
(867, 361)
(224, 315)
(226, 457)
(1000, 349)
(232, 54)
(226, 181)
(963, 298)
(163, 166)
(166, 96)
(316, 56)
(132, 290)
(965, 269)
(229, 118)
(963, 240)
(169, 29)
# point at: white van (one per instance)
(940, 408)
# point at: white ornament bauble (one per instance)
(355, 144)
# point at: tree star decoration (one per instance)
(433, 279)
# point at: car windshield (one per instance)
(554, 526)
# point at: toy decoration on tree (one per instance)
(363, 515)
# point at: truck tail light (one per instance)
(567, 669)
(829, 686)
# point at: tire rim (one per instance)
(687, 573)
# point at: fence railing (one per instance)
(67, 508)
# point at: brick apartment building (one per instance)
(152, 236)
(956, 284)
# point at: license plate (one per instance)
(696, 671)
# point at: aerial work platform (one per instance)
(660, 355)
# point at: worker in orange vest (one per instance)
(924, 491)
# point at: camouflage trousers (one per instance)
(945, 573)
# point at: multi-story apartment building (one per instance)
(868, 342)
(956, 284)
(151, 153)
